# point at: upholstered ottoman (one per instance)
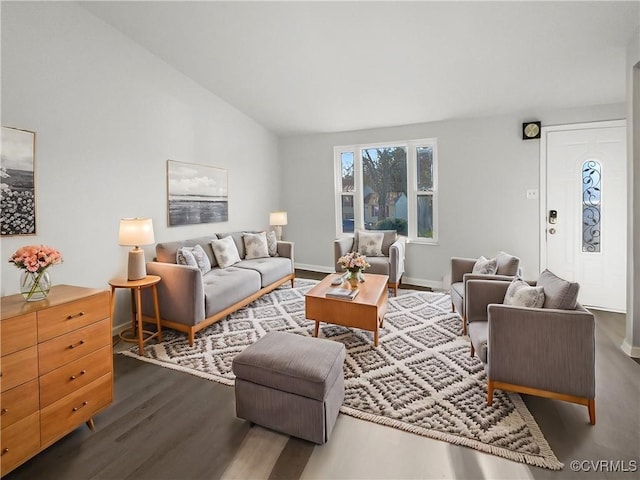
(292, 384)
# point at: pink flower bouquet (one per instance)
(35, 258)
(353, 261)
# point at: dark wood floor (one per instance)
(166, 424)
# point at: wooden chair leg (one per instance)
(473, 350)
(464, 326)
(592, 411)
(489, 392)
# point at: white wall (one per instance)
(484, 170)
(108, 115)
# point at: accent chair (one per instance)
(384, 251)
(547, 351)
(506, 267)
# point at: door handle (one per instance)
(552, 231)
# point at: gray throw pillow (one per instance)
(559, 293)
(272, 243)
(225, 251)
(507, 264)
(521, 294)
(485, 267)
(370, 243)
(197, 254)
(255, 245)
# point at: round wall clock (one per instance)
(530, 130)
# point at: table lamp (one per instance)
(277, 220)
(133, 233)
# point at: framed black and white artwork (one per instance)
(17, 182)
(196, 194)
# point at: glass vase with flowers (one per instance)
(34, 261)
(355, 263)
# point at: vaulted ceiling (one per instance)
(303, 67)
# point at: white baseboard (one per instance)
(117, 329)
(630, 350)
(420, 282)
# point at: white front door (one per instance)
(585, 209)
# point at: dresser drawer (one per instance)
(73, 346)
(18, 368)
(67, 413)
(19, 402)
(72, 376)
(18, 333)
(65, 318)
(19, 442)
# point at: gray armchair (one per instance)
(390, 263)
(549, 352)
(507, 265)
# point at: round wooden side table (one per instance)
(136, 287)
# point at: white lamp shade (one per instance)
(136, 231)
(278, 218)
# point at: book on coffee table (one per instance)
(341, 293)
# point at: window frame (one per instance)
(413, 193)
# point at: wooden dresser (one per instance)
(57, 368)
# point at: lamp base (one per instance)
(136, 269)
(278, 230)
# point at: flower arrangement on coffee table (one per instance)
(355, 263)
(34, 260)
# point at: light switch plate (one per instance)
(532, 194)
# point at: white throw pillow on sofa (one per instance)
(255, 245)
(485, 267)
(225, 251)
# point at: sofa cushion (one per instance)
(292, 363)
(507, 264)
(379, 265)
(225, 287)
(559, 293)
(166, 252)
(237, 238)
(225, 251)
(272, 243)
(370, 243)
(185, 256)
(271, 269)
(255, 245)
(484, 266)
(521, 294)
(479, 334)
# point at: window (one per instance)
(591, 178)
(388, 186)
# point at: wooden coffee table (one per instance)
(366, 311)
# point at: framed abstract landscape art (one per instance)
(196, 194)
(17, 182)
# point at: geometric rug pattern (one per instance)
(421, 378)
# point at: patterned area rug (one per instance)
(420, 379)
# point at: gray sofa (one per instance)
(547, 351)
(190, 301)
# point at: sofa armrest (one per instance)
(285, 249)
(479, 293)
(542, 348)
(180, 293)
(341, 246)
(396, 260)
(460, 266)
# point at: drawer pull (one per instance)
(71, 317)
(5, 450)
(82, 372)
(4, 410)
(75, 409)
(81, 342)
